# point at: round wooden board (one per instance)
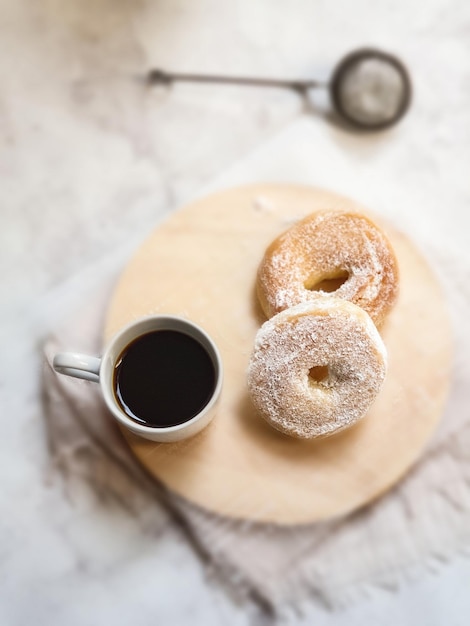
(201, 264)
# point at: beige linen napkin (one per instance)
(421, 521)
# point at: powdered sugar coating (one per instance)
(325, 332)
(323, 246)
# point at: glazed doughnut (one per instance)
(316, 368)
(322, 251)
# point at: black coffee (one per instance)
(164, 378)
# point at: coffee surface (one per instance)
(164, 378)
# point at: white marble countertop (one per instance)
(90, 160)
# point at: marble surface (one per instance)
(90, 160)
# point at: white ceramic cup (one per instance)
(101, 370)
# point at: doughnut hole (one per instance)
(319, 374)
(328, 283)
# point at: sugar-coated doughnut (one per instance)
(317, 367)
(341, 252)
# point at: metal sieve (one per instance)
(369, 89)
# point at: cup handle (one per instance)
(77, 365)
